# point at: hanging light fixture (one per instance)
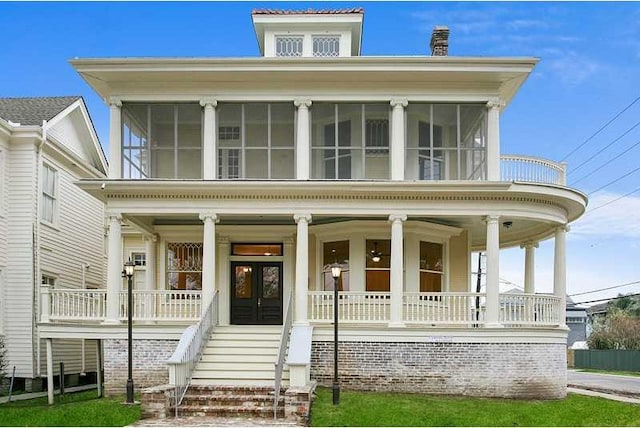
(376, 255)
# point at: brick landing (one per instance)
(204, 421)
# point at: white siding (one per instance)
(69, 351)
(4, 146)
(72, 132)
(18, 278)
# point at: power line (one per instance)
(614, 181)
(608, 299)
(604, 148)
(606, 163)
(601, 129)
(603, 289)
(612, 201)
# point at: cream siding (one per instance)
(71, 132)
(69, 352)
(19, 275)
(4, 146)
(459, 275)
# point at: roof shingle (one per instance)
(32, 111)
(308, 11)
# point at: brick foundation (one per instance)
(512, 370)
(149, 363)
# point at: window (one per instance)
(289, 45)
(229, 133)
(49, 188)
(139, 259)
(48, 280)
(335, 252)
(431, 267)
(378, 265)
(184, 266)
(377, 135)
(326, 45)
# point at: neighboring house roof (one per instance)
(308, 11)
(32, 111)
(600, 308)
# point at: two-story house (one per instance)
(244, 180)
(51, 232)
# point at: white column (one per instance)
(492, 315)
(303, 140)
(209, 158)
(49, 371)
(224, 281)
(115, 138)
(529, 267)
(288, 262)
(99, 367)
(493, 139)
(302, 269)
(397, 138)
(114, 269)
(560, 269)
(208, 258)
(397, 270)
(150, 274)
(45, 303)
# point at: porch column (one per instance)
(115, 138)
(397, 138)
(150, 274)
(288, 269)
(302, 268)
(303, 141)
(529, 266)
(492, 315)
(224, 280)
(208, 258)
(397, 270)
(114, 269)
(560, 270)
(49, 370)
(209, 158)
(493, 139)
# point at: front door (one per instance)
(256, 293)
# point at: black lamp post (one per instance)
(128, 271)
(335, 272)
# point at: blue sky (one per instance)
(589, 71)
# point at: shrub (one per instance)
(619, 331)
(3, 359)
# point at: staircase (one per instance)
(235, 374)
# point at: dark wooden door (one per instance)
(256, 293)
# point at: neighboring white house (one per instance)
(51, 232)
(236, 183)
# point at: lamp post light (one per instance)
(336, 270)
(128, 271)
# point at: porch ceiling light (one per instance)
(336, 270)
(129, 266)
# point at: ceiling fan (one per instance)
(374, 254)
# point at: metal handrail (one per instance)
(187, 354)
(284, 342)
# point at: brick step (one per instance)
(229, 399)
(230, 411)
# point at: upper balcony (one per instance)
(342, 141)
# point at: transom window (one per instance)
(326, 45)
(49, 188)
(139, 259)
(184, 266)
(256, 249)
(289, 45)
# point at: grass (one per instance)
(73, 409)
(611, 372)
(388, 409)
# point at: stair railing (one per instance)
(187, 354)
(284, 342)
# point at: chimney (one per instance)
(440, 41)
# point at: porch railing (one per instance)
(149, 305)
(444, 308)
(532, 169)
(354, 306)
(187, 354)
(282, 349)
(530, 310)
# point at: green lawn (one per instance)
(611, 372)
(386, 409)
(73, 409)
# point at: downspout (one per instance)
(83, 266)
(36, 252)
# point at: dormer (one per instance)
(310, 33)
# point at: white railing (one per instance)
(532, 169)
(162, 305)
(151, 305)
(187, 354)
(530, 310)
(444, 308)
(282, 348)
(354, 306)
(77, 305)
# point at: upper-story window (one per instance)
(49, 192)
(289, 45)
(326, 45)
(350, 141)
(162, 141)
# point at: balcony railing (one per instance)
(151, 305)
(532, 169)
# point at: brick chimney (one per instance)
(440, 41)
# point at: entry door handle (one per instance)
(259, 301)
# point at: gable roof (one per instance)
(32, 111)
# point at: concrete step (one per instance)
(206, 365)
(237, 374)
(237, 382)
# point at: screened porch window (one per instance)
(335, 252)
(446, 142)
(184, 266)
(256, 140)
